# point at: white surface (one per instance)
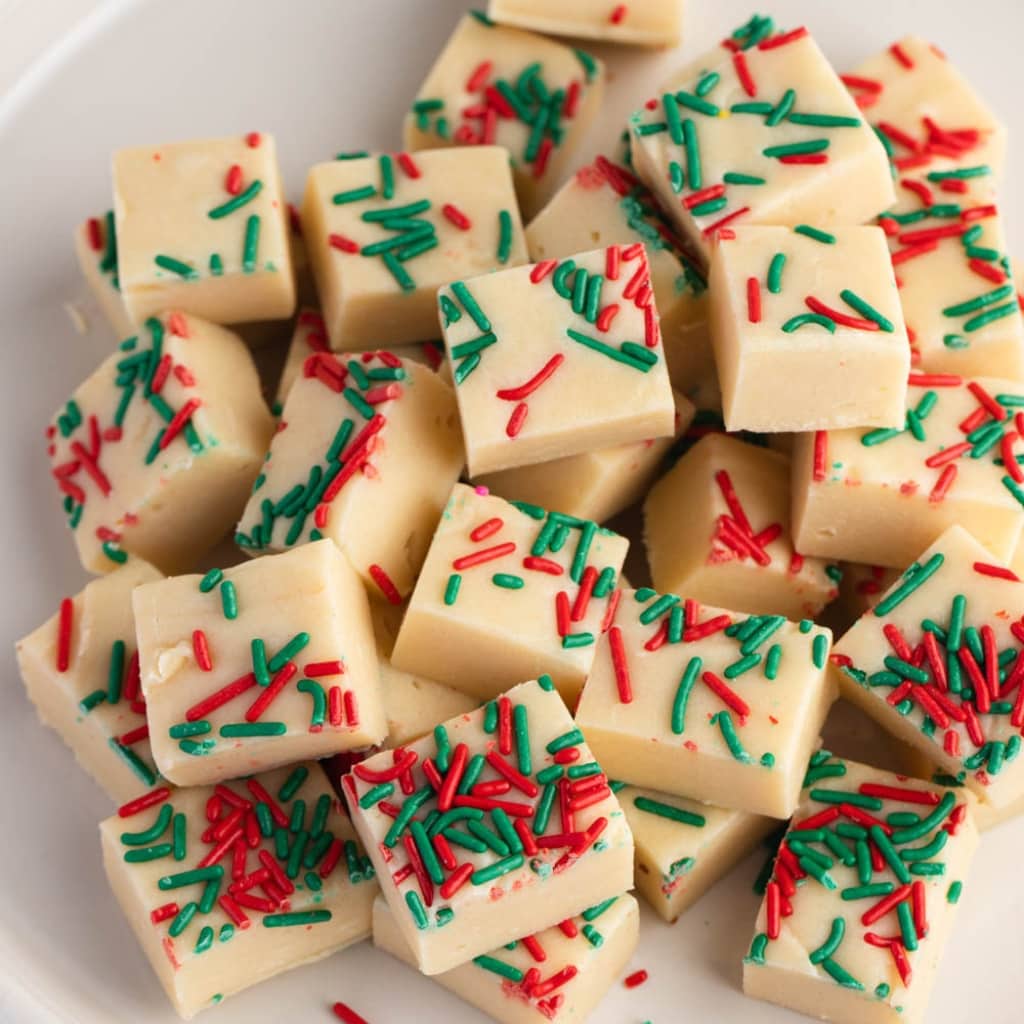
(323, 75)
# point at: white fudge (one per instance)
(258, 665)
(559, 973)
(808, 330)
(862, 897)
(202, 226)
(383, 232)
(509, 591)
(759, 130)
(498, 825)
(557, 358)
(225, 886)
(500, 86)
(365, 454)
(81, 671)
(155, 453)
(881, 496)
(705, 704)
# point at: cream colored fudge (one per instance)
(365, 454)
(759, 130)
(309, 335)
(490, 829)
(560, 973)
(604, 203)
(81, 671)
(509, 592)
(498, 86)
(647, 23)
(954, 277)
(202, 226)
(383, 232)
(707, 704)
(862, 898)
(939, 662)
(255, 666)
(592, 485)
(881, 496)
(96, 250)
(737, 548)
(155, 453)
(683, 847)
(557, 358)
(925, 110)
(808, 330)
(225, 886)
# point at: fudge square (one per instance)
(925, 110)
(737, 548)
(509, 591)
(247, 668)
(592, 485)
(604, 203)
(557, 358)
(225, 886)
(939, 662)
(807, 330)
(862, 897)
(651, 23)
(492, 831)
(497, 86)
(366, 453)
(383, 232)
(202, 226)
(954, 276)
(81, 671)
(96, 251)
(707, 704)
(559, 973)
(155, 453)
(759, 131)
(683, 846)
(881, 496)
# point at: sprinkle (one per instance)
(635, 979)
(384, 582)
(237, 200)
(504, 236)
(456, 217)
(354, 195)
(296, 919)
(753, 300)
(451, 590)
(251, 243)
(775, 273)
(201, 650)
(347, 1014)
(229, 600)
(819, 236)
(176, 267)
(64, 625)
(618, 653)
(664, 810)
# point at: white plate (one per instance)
(324, 76)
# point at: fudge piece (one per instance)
(759, 130)
(648, 23)
(683, 847)
(155, 453)
(506, 592)
(604, 203)
(939, 662)
(309, 335)
(365, 454)
(414, 705)
(499, 86)
(81, 671)
(592, 485)
(707, 704)
(821, 308)
(925, 110)
(560, 973)
(225, 886)
(500, 824)
(96, 250)
(736, 549)
(202, 226)
(557, 358)
(252, 667)
(954, 276)
(862, 896)
(383, 232)
(881, 496)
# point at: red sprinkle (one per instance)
(997, 571)
(820, 455)
(525, 390)
(253, 139)
(66, 617)
(486, 529)
(901, 55)
(456, 216)
(147, 800)
(342, 244)
(635, 979)
(406, 162)
(486, 555)
(387, 586)
(622, 679)
(177, 424)
(617, 15)
(753, 300)
(233, 180)
(774, 42)
(517, 419)
(739, 61)
(347, 1014)
(201, 650)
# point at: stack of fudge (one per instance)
(418, 700)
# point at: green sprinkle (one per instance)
(229, 599)
(299, 918)
(233, 729)
(471, 306)
(730, 736)
(236, 201)
(571, 738)
(500, 867)
(841, 975)
(803, 319)
(832, 943)
(825, 120)
(184, 729)
(664, 810)
(90, 700)
(618, 355)
(521, 729)
(353, 195)
(780, 113)
(798, 149)
(954, 891)
(508, 581)
(976, 323)
(495, 966)
(504, 236)
(573, 640)
(210, 580)
(771, 664)
(866, 310)
(130, 758)
(692, 149)
(757, 949)
(961, 172)
(913, 578)
(682, 696)
(176, 267)
(775, 273)
(819, 236)
(251, 243)
(735, 178)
